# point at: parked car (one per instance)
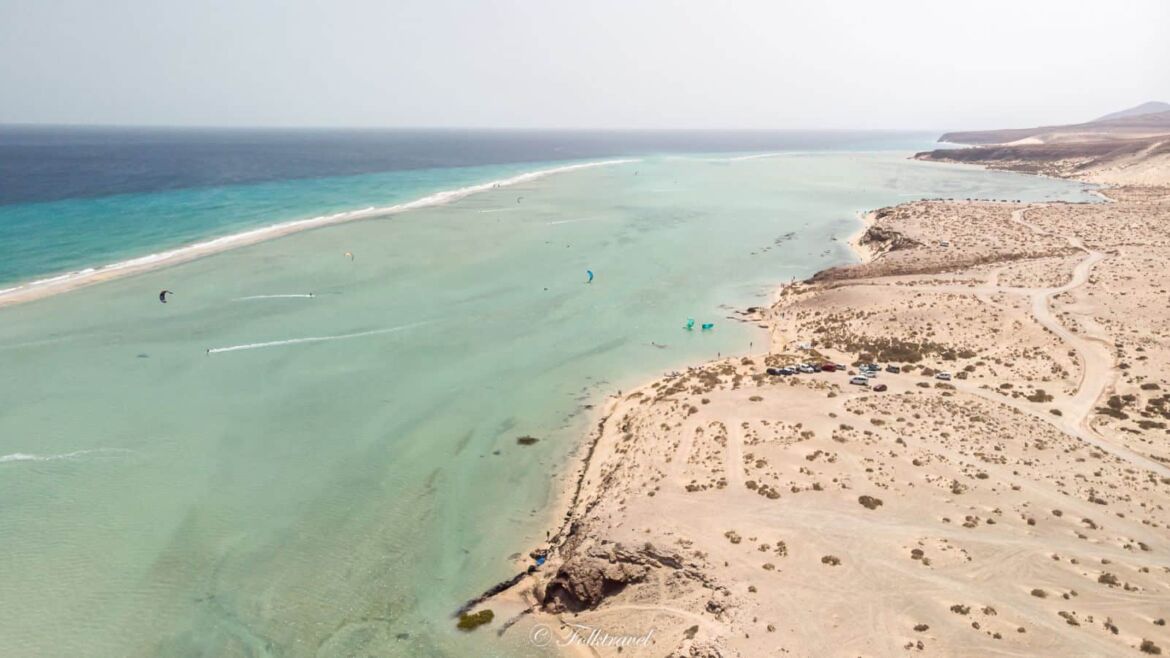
(894, 369)
(828, 367)
(859, 381)
(773, 371)
(787, 371)
(841, 366)
(806, 368)
(880, 387)
(944, 376)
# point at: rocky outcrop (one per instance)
(885, 239)
(583, 582)
(590, 575)
(882, 240)
(879, 240)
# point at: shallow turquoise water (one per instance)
(343, 494)
(70, 234)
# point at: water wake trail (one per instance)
(35, 343)
(299, 295)
(28, 457)
(316, 339)
(574, 221)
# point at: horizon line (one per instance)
(169, 126)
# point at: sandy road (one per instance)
(1098, 370)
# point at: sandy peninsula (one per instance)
(1003, 493)
(68, 281)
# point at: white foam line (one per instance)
(574, 221)
(314, 339)
(299, 295)
(27, 457)
(734, 158)
(69, 280)
(42, 282)
(753, 157)
(804, 153)
(498, 210)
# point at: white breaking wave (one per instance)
(257, 234)
(314, 339)
(299, 295)
(28, 457)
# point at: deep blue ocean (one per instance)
(77, 197)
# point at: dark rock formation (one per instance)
(590, 575)
(585, 581)
(884, 239)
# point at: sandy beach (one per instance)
(998, 491)
(863, 252)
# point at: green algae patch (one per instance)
(469, 622)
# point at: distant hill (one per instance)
(1127, 123)
(1152, 107)
(1127, 147)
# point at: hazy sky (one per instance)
(928, 64)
